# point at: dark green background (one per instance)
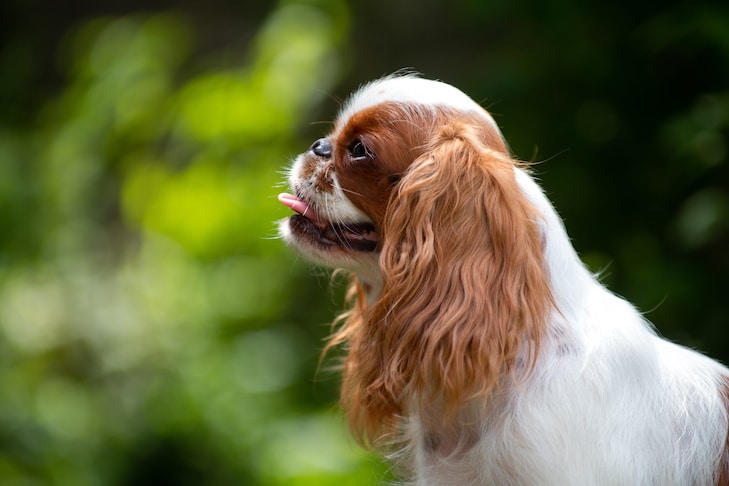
(152, 328)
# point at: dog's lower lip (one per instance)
(349, 237)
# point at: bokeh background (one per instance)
(153, 330)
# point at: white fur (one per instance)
(410, 89)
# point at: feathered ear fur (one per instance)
(465, 291)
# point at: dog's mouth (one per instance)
(309, 224)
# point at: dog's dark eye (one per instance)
(358, 151)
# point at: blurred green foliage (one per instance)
(152, 328)
(147, 331)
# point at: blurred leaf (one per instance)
(703, 217)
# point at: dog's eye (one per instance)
(358, 150)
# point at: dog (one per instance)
(479, 348)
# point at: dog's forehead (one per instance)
(414, 90)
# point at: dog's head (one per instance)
(345, 186)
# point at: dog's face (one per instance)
(344, 185)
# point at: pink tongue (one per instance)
(299, 206)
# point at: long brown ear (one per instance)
(465, 291)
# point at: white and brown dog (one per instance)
(477, 341)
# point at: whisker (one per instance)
(349, 191)
(329, 215)
(322, 122)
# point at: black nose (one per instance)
(322, 148)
